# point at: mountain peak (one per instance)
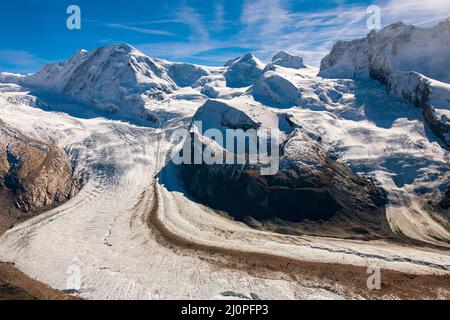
(80, 51)
(288, 60)
(121, 49)
(95, 76)
(242, 72)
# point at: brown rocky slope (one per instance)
(33, 176)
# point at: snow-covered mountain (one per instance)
(116, 78)
(397, 47)
(274, 88)
(243, 71)
(412, 63)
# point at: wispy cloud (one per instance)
(415, 11)
(265, 18)
(194, 21)
(140, 30)
(199, 39)
(20, 61)
(310, 33)
(219, 14)
(267, 26)
(180, 51)
(313, 33)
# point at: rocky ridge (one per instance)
(33, 175)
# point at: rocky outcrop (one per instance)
(310, 187)
(35, 174)
(210, 91)
(439, 125)
(291, 195)
(423, 93)
(444, 202)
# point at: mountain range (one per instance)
(364, 172)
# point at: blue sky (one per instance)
(33, 33)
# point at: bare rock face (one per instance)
(36, 175)
(310, 193)
(444, 202)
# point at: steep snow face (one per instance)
(273, 89)
(243, 71)
(398, 47)
(55, 76)
(116, 78)
(287, 60)
(426, 51)
(347, 60)
(421, 91)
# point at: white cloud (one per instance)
(20, 61)
(415, 11)
(219, 13)
(140, 30)
(178, 50)
(194, 20)
(199, 40)
(264, 18)
(271, 26)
